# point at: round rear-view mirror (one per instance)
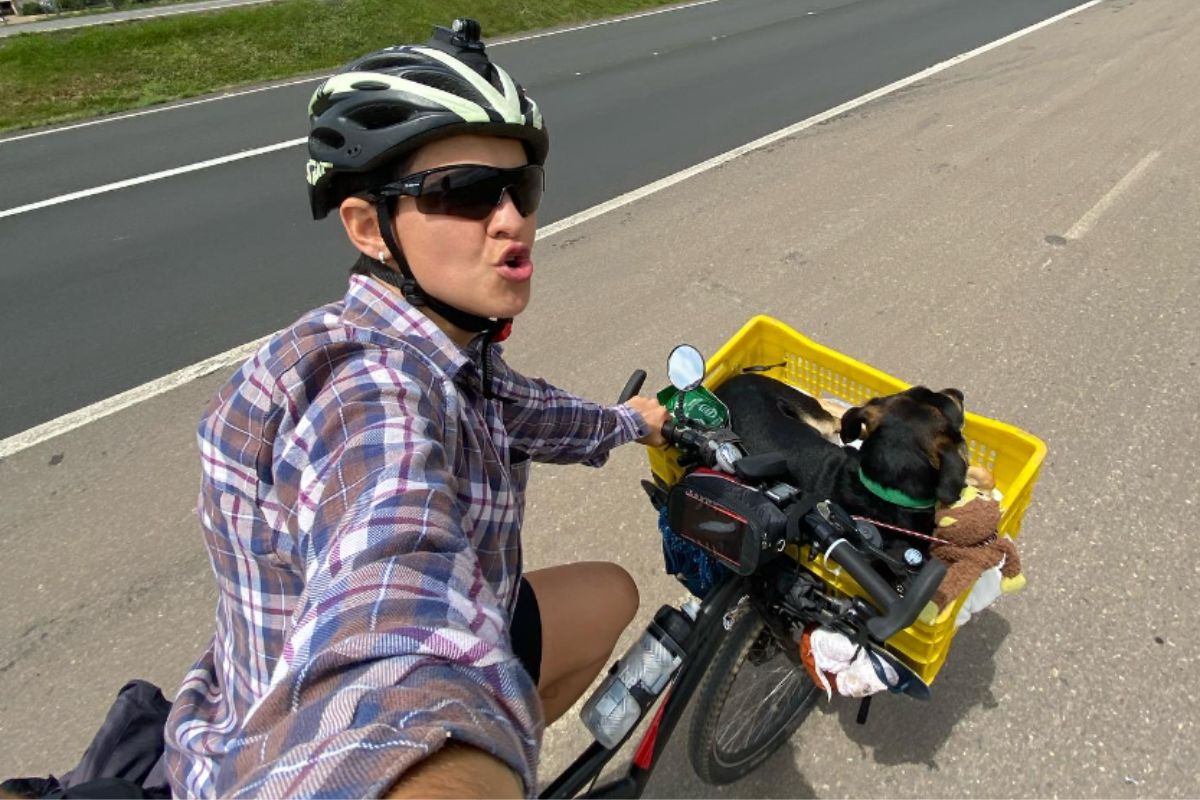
(685, 368)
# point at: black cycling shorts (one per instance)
(527, 631)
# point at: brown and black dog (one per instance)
(912, 449)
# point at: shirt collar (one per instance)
(371, 305)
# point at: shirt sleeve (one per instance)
(555, 426)
(397, 644)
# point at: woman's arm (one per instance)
(457, 771)
(553, 425)
(397, 647)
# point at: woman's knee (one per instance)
(626, 598)
(599, 595)
(616, 594)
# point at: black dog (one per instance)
(913, 454)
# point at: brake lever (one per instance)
(837, 517)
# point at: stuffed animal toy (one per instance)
(972, 544)
(981, 478)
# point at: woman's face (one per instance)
(480, 266)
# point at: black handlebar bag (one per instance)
(737, 523)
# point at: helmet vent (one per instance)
(381, 115)
(370, 86)
(386, 61)
(328, 137)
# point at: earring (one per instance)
(382, 257)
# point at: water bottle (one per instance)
(638, 678)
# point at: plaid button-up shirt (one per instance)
(361, 504)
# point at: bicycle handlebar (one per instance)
(898, 611)
(685, 438)
(633, 385)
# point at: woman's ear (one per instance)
(361, 222)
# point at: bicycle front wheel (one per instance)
(750, 701)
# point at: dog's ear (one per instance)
(952, 474)
(953, 410)
(859, 422)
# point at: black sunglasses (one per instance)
(470, 190)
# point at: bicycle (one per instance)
(742, 511)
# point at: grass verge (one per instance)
(55, 77)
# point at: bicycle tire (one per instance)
(716, 763)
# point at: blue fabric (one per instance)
(689, 563)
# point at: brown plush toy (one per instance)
(970, 527)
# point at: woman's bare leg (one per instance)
(584, 608)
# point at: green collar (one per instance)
(893, 496)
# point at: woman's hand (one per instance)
(654, 414)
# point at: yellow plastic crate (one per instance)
(1013, 456)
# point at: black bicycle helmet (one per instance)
(385, 105)
(378, 109)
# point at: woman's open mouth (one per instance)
(517, 266)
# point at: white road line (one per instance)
(160, 109)
(637, 15)
(1085, 223)
(213, 162)
(228, 95)
(61, 425)
(716, 161)
(111, 405)
(154, 176)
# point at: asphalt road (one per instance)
(1021, 226)
(101, 294)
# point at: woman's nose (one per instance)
(506, 212)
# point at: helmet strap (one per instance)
(406, 282)
(494, 329)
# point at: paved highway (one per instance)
(103, 293)
(1021, 225)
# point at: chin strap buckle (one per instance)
(412, 293)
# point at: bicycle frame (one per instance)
(700, 647)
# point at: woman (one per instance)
(364, 473)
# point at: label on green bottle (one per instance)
(701, 408)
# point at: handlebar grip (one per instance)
(669, 432)
(905, 612)
(633, 385)
(691, 442)
(880, 591)
(898, 612)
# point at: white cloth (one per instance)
(833, 652)
(983, 594)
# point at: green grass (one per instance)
(55, 77)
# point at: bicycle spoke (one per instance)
(757, 718)
(758, 697)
